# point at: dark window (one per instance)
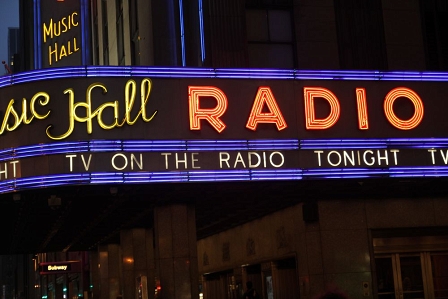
(360, 34)
(434, 15)
(120, 34)
(96, 41)
(135, 38)
(105, 33)
(270, 35)
(225, 33)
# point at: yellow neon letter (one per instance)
(73, 19)
(130, 94)
(62, 52)
(10, 111)
(42, 102)
(75, 47)
(48, 31)
(71, 111)
(64, 25)
(55, 52)
(57, 28)
(88, 106)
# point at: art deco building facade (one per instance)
(375, 230)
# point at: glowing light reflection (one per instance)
(178, 72)
(215, 145)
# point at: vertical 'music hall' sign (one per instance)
(61, 33)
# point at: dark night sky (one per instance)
(9, 17)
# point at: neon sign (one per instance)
(59, 33)
(59, 267)
(274, 115)
(264, 99)
(129, 100)
(211, 115)
(415, 120)
(13, 119)
(100, 125)
(53, 29)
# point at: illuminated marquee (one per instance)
(264, 99)
(99, 125)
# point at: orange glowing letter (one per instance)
(389, 110)
(363, 120)
(265, 96)
(211, 115)
(312, 123)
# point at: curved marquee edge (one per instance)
(184, 72)
(43, 149)
(19, 184)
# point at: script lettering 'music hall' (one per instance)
(14, 117)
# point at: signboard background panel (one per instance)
(169, 97)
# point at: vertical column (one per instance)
(85, 276)
(110, 272)
(150, 262)
(44, 287)
(237, 281)
(94, 275)
(167, 33)
(145, 26)
(138, 263)
(100, 35)
(266, 271)
(192, 30)
(276, 283)
(227, 33)
(244, 278)
(176, 251)
(202, 286)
